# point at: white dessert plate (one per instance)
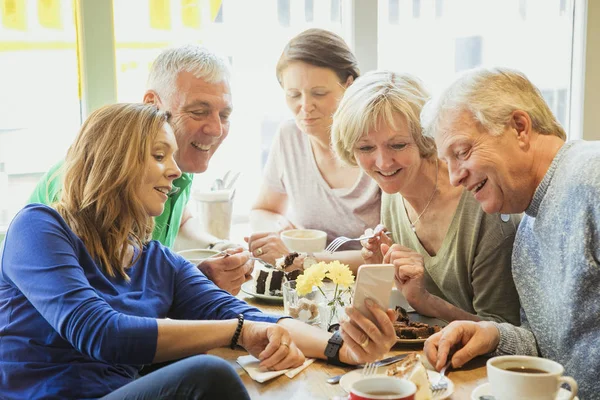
(486, 390)
(415, 317)
(248, 288)
(348, 380)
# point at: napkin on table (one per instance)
(252, 366)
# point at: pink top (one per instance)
(291, 169)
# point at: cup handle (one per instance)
(572, 385)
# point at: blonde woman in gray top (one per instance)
(453, 260)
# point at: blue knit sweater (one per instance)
(556, 269)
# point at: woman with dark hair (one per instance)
(305, 185)
(86, 298)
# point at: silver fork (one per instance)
(369, 369)
(263, 262)
(442, 383)
(338, 242)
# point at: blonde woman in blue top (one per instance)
(86, 298)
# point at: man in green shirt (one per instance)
(191, 83)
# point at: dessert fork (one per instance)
(442, 383)
(338, 242)
(263, 262)
(369, 369)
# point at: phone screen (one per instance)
(374, 281)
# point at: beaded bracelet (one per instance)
(238, 330)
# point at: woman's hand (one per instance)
(466, 339)
(271, 344)
(365, 341)
(371, 248)
(409, 276)
(266, 246)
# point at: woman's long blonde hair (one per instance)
(102, 171)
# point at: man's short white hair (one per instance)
(491, 95)
(196, 59)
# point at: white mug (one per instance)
(304, 240)
(527, 378)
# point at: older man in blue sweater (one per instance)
(502, 142)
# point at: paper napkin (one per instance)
(251, 365)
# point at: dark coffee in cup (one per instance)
(526, 370)
(383, 393)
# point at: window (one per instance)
(39, 99)
(523, 9)
(416, 4)
(562, 7)
(467, 53)
(432, 39)
(538, 43)
(439, 8)
(309, 9)
(259, 103)
(283, 12)
(335, 11)
(394, 11)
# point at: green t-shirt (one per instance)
(166, 225)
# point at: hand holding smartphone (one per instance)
(374, 281)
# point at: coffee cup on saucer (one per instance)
(527, 378)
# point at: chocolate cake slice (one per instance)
(406, 329)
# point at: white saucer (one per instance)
(248, 288)
(348, 380)
(485, 390)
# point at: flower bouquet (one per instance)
(336, 299)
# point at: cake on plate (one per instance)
(406, 329)
(412, 368)
(269, 280)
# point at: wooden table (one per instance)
(310, 383)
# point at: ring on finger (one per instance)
(285, 344)
(259, 251)
(365, 343)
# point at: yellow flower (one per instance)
(340, 274)
(312, 276)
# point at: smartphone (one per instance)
(374, 281)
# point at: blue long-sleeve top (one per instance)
(67, 330)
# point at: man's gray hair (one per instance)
(491, 95)
(196, 59)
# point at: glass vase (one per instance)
(332, 308)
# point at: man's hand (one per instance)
(229, 272)
(468, 339)
(271, 344)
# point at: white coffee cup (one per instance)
(196, 255)
(304, 240)
(384, 388)
(527, 378)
